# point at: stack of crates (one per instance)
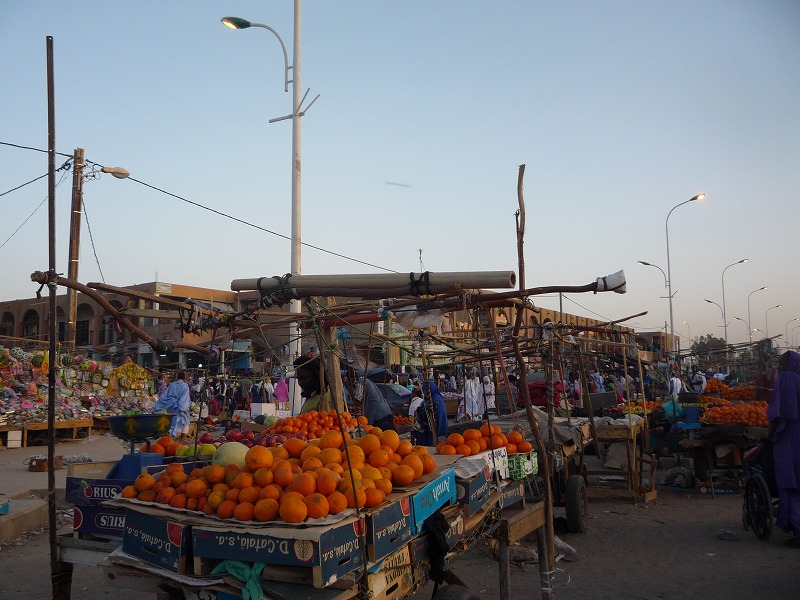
(523, 464)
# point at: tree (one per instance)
(709, 350)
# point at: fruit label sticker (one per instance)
(303, 550)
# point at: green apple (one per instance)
(181, 451)
(207, 449)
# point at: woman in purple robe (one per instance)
(783, 413)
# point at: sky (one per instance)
(619, 110)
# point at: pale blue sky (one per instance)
(620, 110)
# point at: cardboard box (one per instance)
(388, 525)
(83, 491)
(99, 521)
(494, 459)
(439, 492)
(263, 408)
(455, 518)
(392, 577)
(160, 541)
(248, 426)
(14, 439)
(474, 492)
(90, 470)
(523, 464)
(511, 493)
(330, 551)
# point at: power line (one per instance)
(91, 239)
(24, 184)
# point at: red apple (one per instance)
(234, 435)
(206, 438)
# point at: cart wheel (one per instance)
(759, 506)
(577, 504)
(455, 592)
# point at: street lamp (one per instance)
(721, 311)
(745, 322)
(786, 329)
(748, 308)
(647, 264)
(762, 331)
(690, 331)
(297, 113)
(724, 313)
(766, 319)
(793, 335)
(669, 272)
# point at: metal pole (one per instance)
(74, 246)
(766, 320)
(296, 238)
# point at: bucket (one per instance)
(4, 505)
(691, 414)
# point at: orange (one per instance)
(369, 443)
(244, 511)
(214, 473)
(225, 510)
(404, 448)
(511, 448)
(249, 494)
(330, 455)
(376, 431)
(455, 439)
(304, 484)
(386, 472)
(403, 475)
(178, 501)
(311, 451)
(317, 505)
(258, 457)
(165, 495)
(473, 445)
(266, 509)
(515, 437)
(283, 476)
(129, 491)
(463, 450)
(173, 467)
(497, 441)
(355, 455)
(331, 439)
(165, 441)
(447, 449)
(232, 494)
(367, 483)
(220, 487)
(472, 434)
(293, 509)
(370, 472)
(378, 458)
(419, 450)
(178, 477)
(144, 482)
(429, 463)
(162, 482)
(215, 499)
(384, 485)
(391, 439)
(337, 502)
(157, 449)
(295, 447)
(196, 472)
(335, 467)
(271, 491)
(326, 484)
(373, 497)
(191, 503)
(262, 477)
(312, 463)
(243, 480)
(196, 488)
(388, 450)
(172, 449)
(279, 452)
(483, 443)
(524, 447)
(356, 495)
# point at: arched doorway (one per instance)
(30, 325)
(83, 327)
(7, 325)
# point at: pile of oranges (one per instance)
(293, 482)
(741, 392)
(473, 441)
(164, 445)
(716, 385)
(315, 424)
(744, 413)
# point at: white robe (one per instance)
(473, 399)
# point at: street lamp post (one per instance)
(669, 272)
(690, 331)
(796, 327)
(724, 313)
(765, 334)
(766, 319)
(745, 322)
(721, 312)
(786, 329)
(297, 113)
(748, 309)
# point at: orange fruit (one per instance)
(524, 446)
(215, 499)
(220, 487)
(472, 434)
(367, 483)
(162, 482)
(173, 467)
(249, 494)
(214, 473)
(196, 488)
(129, 491)
(157, 449)
(483, 443)
(378, 458)
(429, 463)
(356, 495)
(244, 510)
(266, 509)
(232, 494)
(404, 448)
(317, 505)
(511, 448)
(373, 497)
(144, 482)
(178, 501)
(455, 439)
(331, 439)
(463, 450)
(271, 491)
(384, 485)
(515, 437)
(474, 446)
(225, 509)
(337, 502)
(330, 455)
(403, 475)
(178, 477)
(293, 509)
(370, 472)
(497, 442)
(391, 439)
(295, 447)
(165, 495)
(312, 463)
(172, 449)
(303, 484)
(327, 484)
(355, 454)
(165, 441)
(312, 450)
(279, 452)
(262, 477)
(335, 467)
(386, 472)
(283, 476)
(447, 449)
(191, 503)
(258, 457)
(243, 480)
(369, 443)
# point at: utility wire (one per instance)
(24, 184)
(91, 239)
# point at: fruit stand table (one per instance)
(74, 425)
(632, 435)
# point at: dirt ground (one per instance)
(664, 549)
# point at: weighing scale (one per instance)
(136, 429)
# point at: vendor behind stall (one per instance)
(307, 370)
(176, 400)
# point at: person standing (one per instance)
(176, 400)
(489, 396)
(376, 409)
(307, 369)
(416, 401)
(267, 390)
(698, 381)
(784, 415)
(161, 385)
(599, 382)
(675, 385)
(474, 405)
(422, 434)
(281, 393)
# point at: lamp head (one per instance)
(744, 260)
(646, 264)
(698, 197)
(235, 22)
(117, 172)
